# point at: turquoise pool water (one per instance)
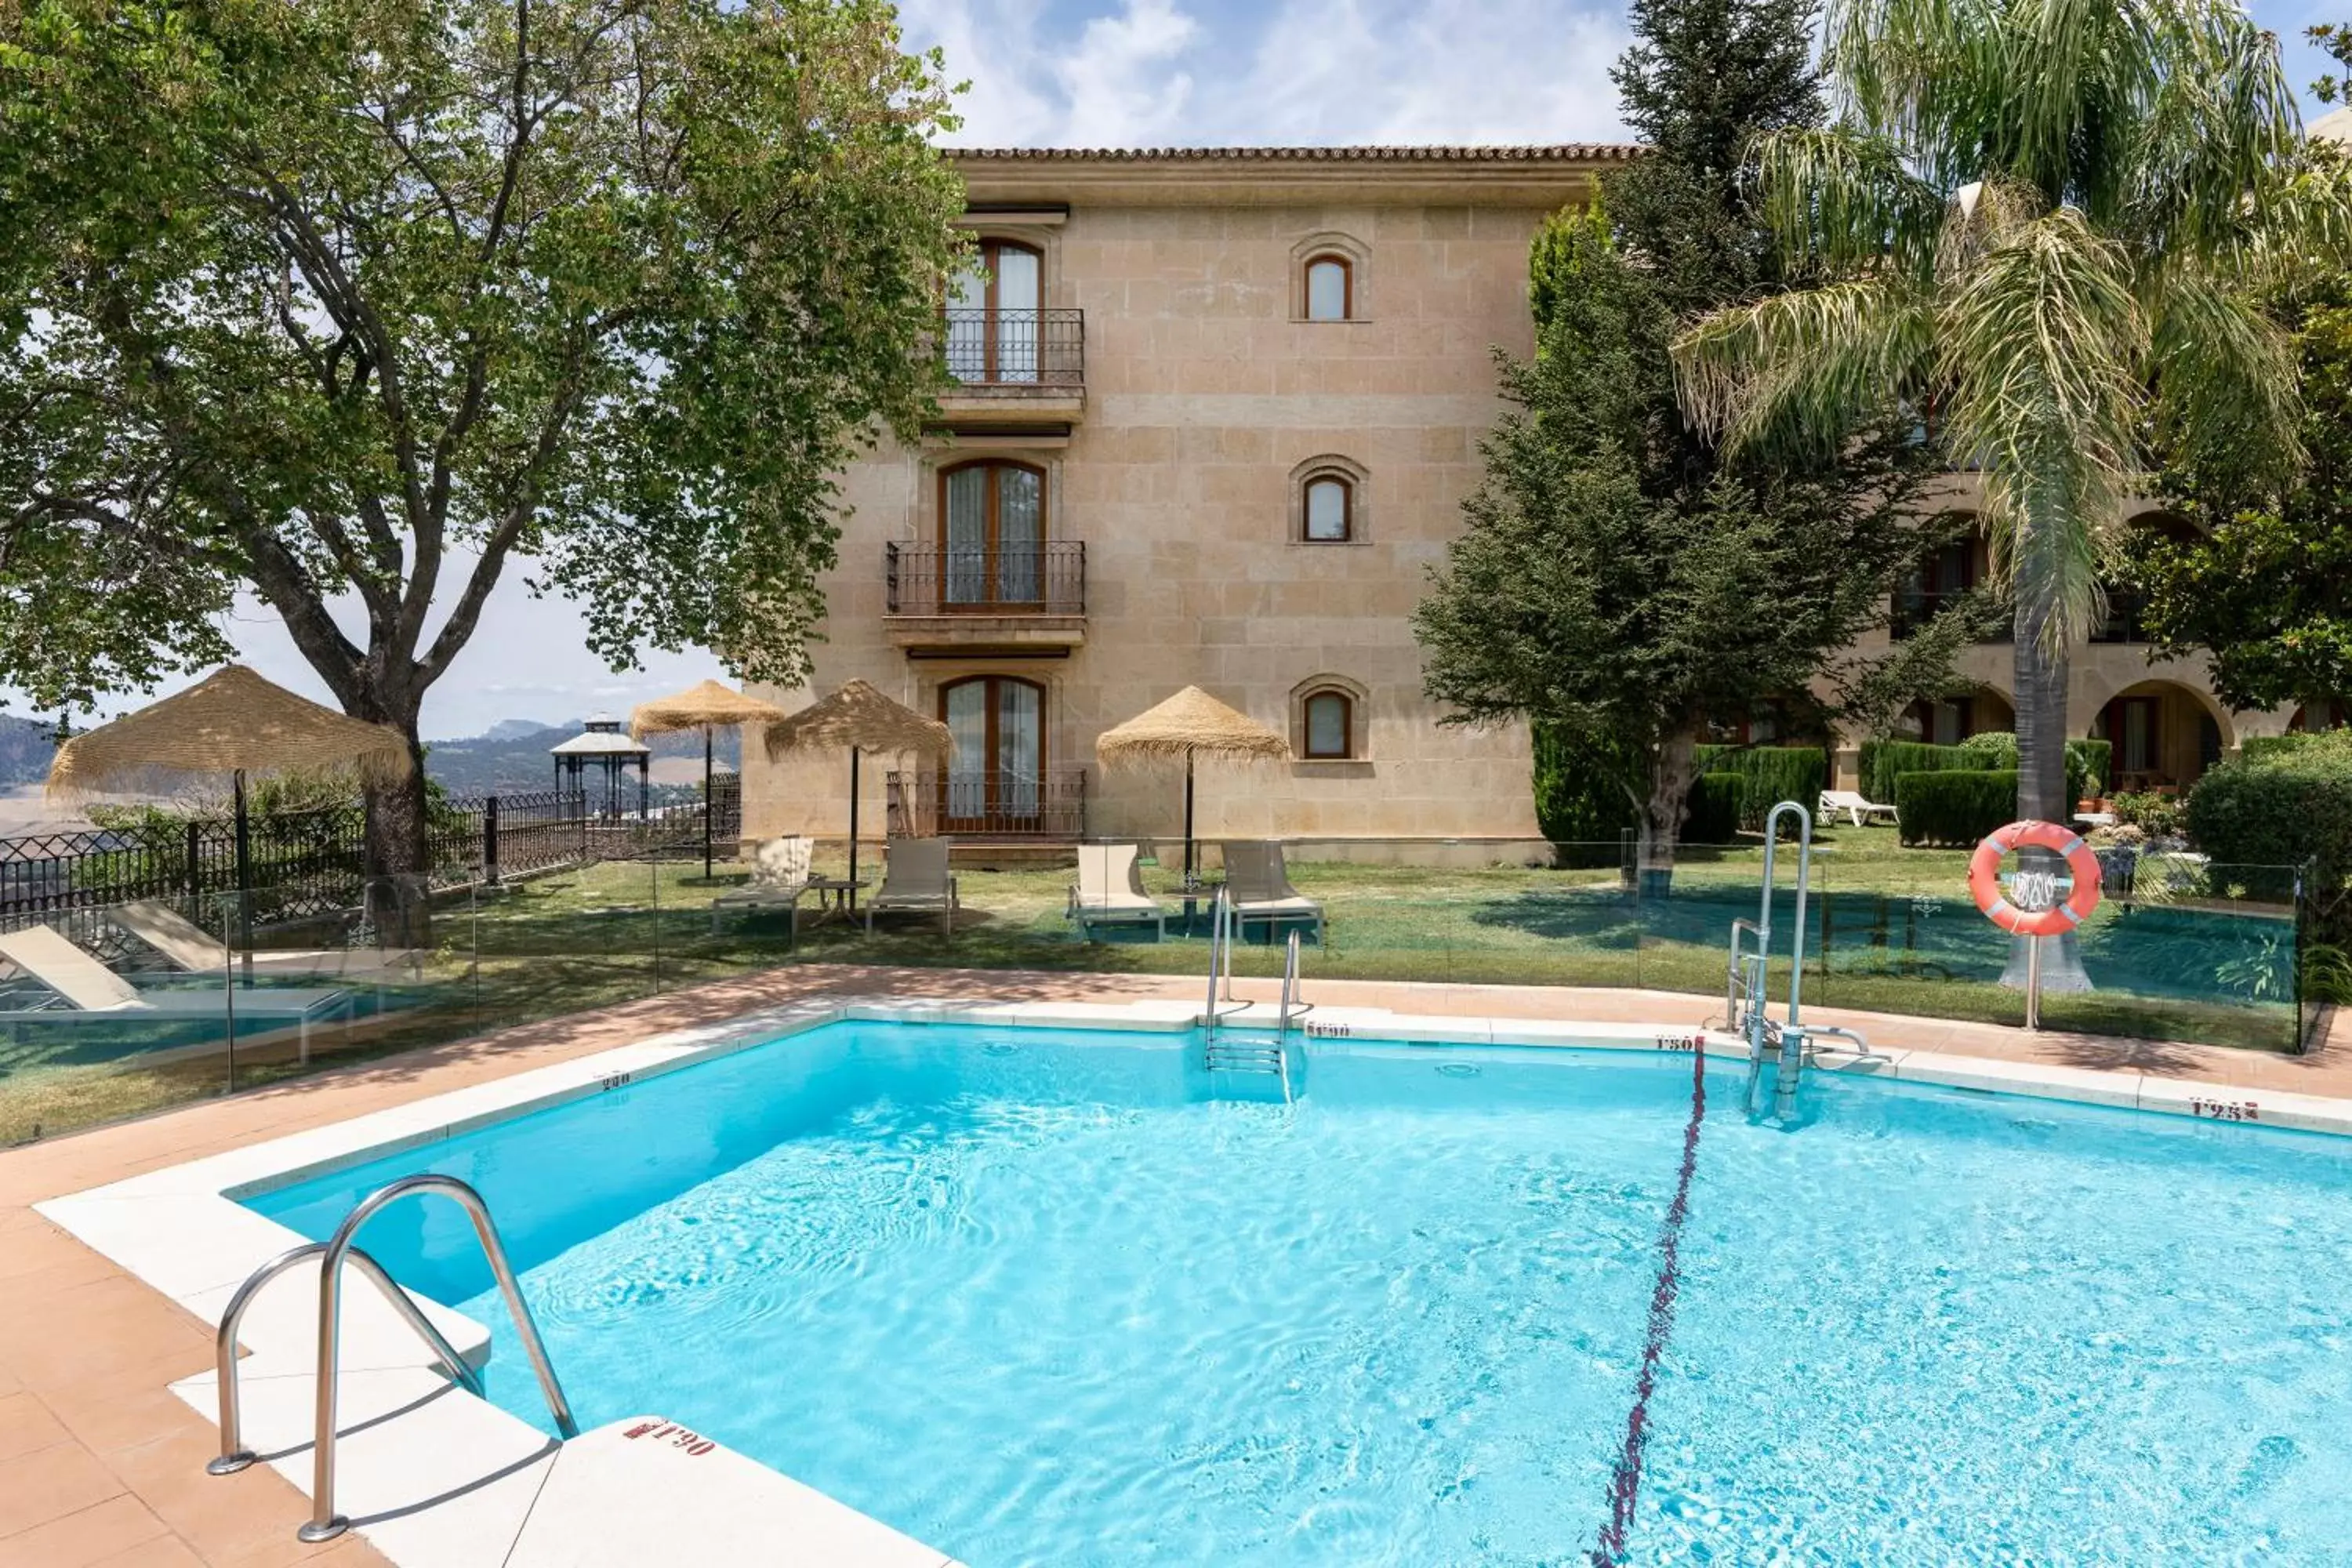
(1034, 1297)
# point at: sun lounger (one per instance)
(88, 986)
(1109, 890)
(1851, 803)
(780, 875)
(915, 879)
(1257, 886)
(190, 948)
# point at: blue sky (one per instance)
(1148, 72)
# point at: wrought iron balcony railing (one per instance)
(991, 803)
(1046, 579)
(2126, 622)
(1013, 350)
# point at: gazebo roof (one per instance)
(600, 743)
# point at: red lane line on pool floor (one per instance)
(1625, 1485)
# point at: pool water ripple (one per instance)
(1055, 1306)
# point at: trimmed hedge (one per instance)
(1884, 762)
(1578, 808)
(1714, 808)
(1954, 805)
(1770, 774)
(2282, 808)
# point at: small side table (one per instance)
(835, 895)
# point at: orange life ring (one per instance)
(2083, 867)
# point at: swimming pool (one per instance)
(1035, 1296)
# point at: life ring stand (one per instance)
(2082, 865)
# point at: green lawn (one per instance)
(1897, 926)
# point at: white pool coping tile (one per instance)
(451, 1482)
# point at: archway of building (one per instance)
(1952, 719)
(2163, 736)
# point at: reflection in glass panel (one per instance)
(1020, 529)
(1018, 749)
(1326, 725)
(1327, 509)
(1016, 315)
(967, 327)
(967, 714)
(1326, 290)
(966, 535)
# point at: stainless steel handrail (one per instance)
(325, 1522)
(1221, 957)
(234, 1455)
(1291, 987)
(1793, 1034)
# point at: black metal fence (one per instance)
(307, 863)
(1048, 578)
(988, 803)
(1016, 351)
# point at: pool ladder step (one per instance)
(1224, 1052)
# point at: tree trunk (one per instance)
(1674, 767)
(2041, 673)
(397, 853)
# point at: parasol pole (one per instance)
(852, 894)
(1191, 855)
(710, 803)
(244, 876)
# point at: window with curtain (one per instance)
(1331, 506)
(1331, 722)
(1329, 288)
(991, 533)
(993, 314)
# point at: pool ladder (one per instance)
(1790, 1044)
(1225, 1052)
(325, 1523)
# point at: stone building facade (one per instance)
(1216, 414)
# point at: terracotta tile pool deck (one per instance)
(99, 1464)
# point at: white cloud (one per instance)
(1143, 72)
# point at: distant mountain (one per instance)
(513, 756)
(25, 747)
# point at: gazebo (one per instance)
(601, 745)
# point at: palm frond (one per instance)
(1840, 202)
(2219, 127)
(1795, 371)
(2041, 344)
(2227, 386)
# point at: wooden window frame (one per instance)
(991, 506)
(991, 808)
(990, 249)
(1347, 286)
(1347, 753)
(1347, 534)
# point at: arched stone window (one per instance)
(1329, 720)
(1327, 502)
(1329, 274)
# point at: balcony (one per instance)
(1015, 366)
(970, 599)
(993, 804)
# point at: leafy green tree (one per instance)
(1620, 583)
(2266, 590)
(372, 298)
(1596, 590)
(2045, 225)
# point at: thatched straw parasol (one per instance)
(1188, 724)
(231, 725)
(707, 706)
(862, 719)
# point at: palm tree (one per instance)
(2048, 225)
